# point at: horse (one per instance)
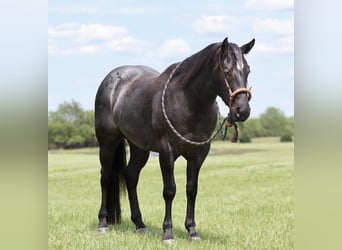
(173, 113)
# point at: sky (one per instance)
(87, 39)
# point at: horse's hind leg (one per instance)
(138, 159)
(112, 158)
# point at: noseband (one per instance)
(236, 92)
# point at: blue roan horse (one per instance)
(173, 113)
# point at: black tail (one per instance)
(119, 164)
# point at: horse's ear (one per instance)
(225, 44)
(247, 47)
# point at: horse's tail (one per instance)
(119, 164)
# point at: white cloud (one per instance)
(76, 38)
(125, 43)
(174, 48)
(85, 32)
(283, 45)
(274, 26)
(270, 4)
(287, 43)
(276, 36)
(96, 9)
(216, 24)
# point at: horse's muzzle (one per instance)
(240, 109)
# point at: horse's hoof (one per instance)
(169, 241)
(194, 238)
(141, 230)
(102, 230)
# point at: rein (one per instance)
(226, 120)
(168, 120)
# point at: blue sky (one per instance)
(87, 39)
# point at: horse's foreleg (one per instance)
(166, 161)
(138, 159)
(191, 193)
(192, 171)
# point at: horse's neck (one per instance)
(193, 81)
(201, 91)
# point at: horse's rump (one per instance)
(126, 96)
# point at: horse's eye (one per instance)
(226, 73)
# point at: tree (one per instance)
(254, 127)
(273, 122)
(71, 127)
(286, 138)
(244, 133)
(59, 134)
(71, 113)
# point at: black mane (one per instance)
(190, 66)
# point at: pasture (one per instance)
(245, 200)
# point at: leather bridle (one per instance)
(234, 93)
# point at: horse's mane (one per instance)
(190, 66)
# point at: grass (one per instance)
(245, 200)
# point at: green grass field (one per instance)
(245, 200)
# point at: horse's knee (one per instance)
(169, 193)
(191, 192)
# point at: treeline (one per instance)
(270, 123)
(72, 127)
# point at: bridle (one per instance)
(229, 121)
(234, 93)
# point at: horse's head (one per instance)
(232, 79)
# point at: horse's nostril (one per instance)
(238, 112)
(241, 113)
